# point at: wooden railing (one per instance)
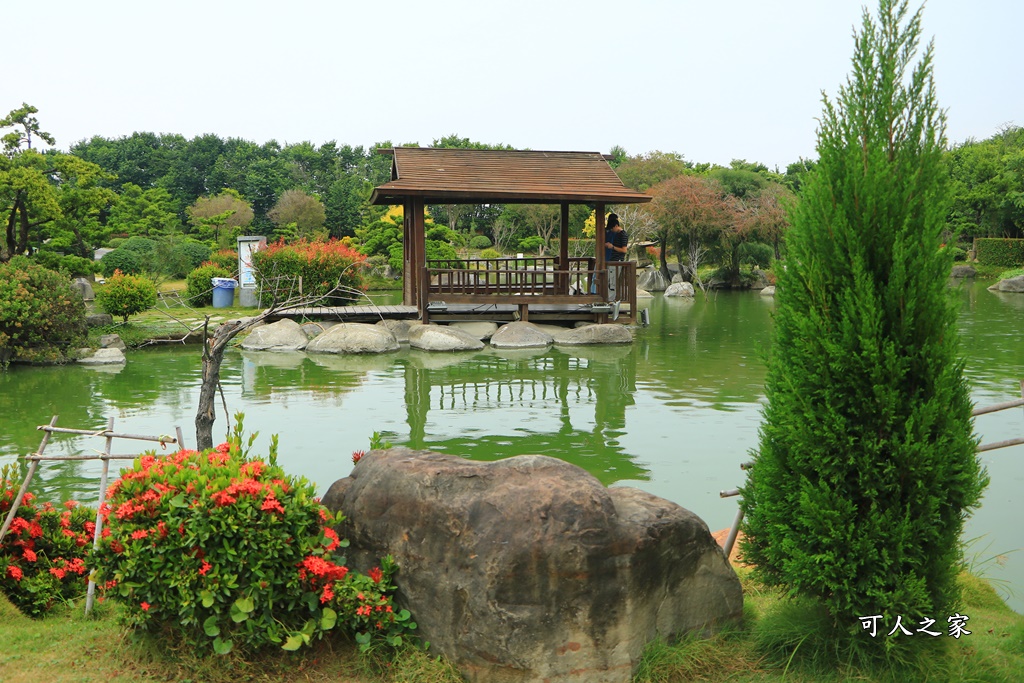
(523, 281)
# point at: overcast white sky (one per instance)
(712, 80)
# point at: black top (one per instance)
(618, 239)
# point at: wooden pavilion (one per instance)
(551, 288)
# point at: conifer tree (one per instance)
(867, 464)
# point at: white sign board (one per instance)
(247, 246)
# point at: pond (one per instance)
(674, 414)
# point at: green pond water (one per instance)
(674, 414)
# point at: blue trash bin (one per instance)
(223, 291)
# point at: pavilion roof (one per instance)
(480, 176)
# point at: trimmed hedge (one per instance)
(996, 251)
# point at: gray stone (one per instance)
(480, 330)
(317, 327)
(98, 319)
(768, 291)
(680, 289)
(528, 569)
(520, 335)
(595, 334)
(760, 279)
(354, 338)
(442, 338)
(651, 280)
(112, 341)
(104, 357)
(643, 294)
(284, 335)
(963, 271)
(1013, 284)
(399, 328)
(84, 288)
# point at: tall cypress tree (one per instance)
(867, 464)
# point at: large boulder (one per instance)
(284, 335)
(963, 270)
(520, 335)
(98, 320)
(595, 334)
(399, 328)
(112, 341)
(479, 329)
(768, 291)
(354, 338)
(442, 338)
(1013, 284)
(651, 280)
(684, 289)
(111, 356)
(84, 288)
(528, 569)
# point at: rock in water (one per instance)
(528, 569)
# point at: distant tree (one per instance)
(867, 464)
(343, 206)
(647, 170)
(38, 190)
(296, 208)
(217, 218)
(25, 126)
(690, 211)
(797, 172)
(988, 185)
(144, 212)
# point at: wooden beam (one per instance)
(599, 261)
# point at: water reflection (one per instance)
(569, 405)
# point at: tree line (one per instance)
(210, 189)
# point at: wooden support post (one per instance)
(600, 265)
(562, 282)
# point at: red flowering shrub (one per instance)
(217, 550)
(42, 555)
(323, 266)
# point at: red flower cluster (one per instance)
(357, 456)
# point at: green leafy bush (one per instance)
(479, 242)
(42, 557)
(199, 285)
(226, 259)
(441, 233)
(531, 244)
(140, 245)
(756, 254)
(125, 260)
(179, 258)
(126, 295)
(436, 250)
(993, 251)
(330, 271)
(73, 266)
(957, 253)
(41, 316)
(490, 253)
(218, 550)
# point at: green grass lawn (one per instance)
(67, 647)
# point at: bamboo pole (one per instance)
(90, 594)
(24, 487)
(106, 432)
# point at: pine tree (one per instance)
(867, 465)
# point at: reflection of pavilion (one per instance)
(552, 382)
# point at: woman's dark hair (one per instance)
(613, 220)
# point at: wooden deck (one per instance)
(455, 312)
